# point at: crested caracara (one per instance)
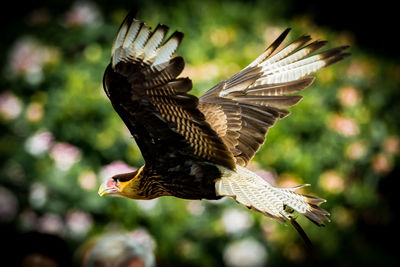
(198, 148)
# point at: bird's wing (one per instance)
(141, 82)
(243, 108)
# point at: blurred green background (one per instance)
(60, 137)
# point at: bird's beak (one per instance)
(107, 188)
(103, 190)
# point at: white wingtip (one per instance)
(135, 41)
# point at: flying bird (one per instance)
(198, 148)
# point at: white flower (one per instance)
(147, 205)
(39, 143)
(37, 195)
(236, 221)
(245, 253)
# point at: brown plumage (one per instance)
(198, 148)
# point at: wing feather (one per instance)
(141, 82)
(255, 96)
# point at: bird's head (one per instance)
(124, 185)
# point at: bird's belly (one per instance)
(196, 181)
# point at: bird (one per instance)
(198, 148)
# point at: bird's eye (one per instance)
(116, 180)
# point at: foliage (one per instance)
(60, 137)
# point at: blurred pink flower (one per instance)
(343, 125)
(114, 168)
(356, 150)
(51, 224)
(381, 163)
(391, 145)
(39, 143)
(82, 13)
(87, 180)
(27, 58)
(348, 96)
(10, 106)
(65, 155)
(78, 223)
(8, 205)
(34, 112)
(332, 182)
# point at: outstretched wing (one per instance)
(141, 82)
(243, 108)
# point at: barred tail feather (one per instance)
(315, 213)
(249, 189)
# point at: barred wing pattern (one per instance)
(243, 108)
(141, 82)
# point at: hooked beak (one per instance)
(104, 189)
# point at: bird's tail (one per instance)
(254, 192)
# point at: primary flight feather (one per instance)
(198, 148)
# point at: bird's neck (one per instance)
(144, 186)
